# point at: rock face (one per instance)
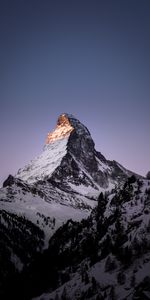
(81, 164)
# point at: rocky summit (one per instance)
(63, 129)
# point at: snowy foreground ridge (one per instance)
(116, 262)
(76, 218)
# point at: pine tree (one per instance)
(112, 293)
(101, 205)
(64, 294)
(133, 279)
(121, 278)
(56, 297)
(94, 283)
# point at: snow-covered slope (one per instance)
(48, 210)
(45, 164)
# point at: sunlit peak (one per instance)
(63, 129)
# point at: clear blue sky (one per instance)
(88, 58)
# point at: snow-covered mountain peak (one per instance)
(70, 137)
(70, 162)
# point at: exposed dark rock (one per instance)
(9, 181)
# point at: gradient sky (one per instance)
(88, 58)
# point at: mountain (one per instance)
(62, 183)
(70, 162)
